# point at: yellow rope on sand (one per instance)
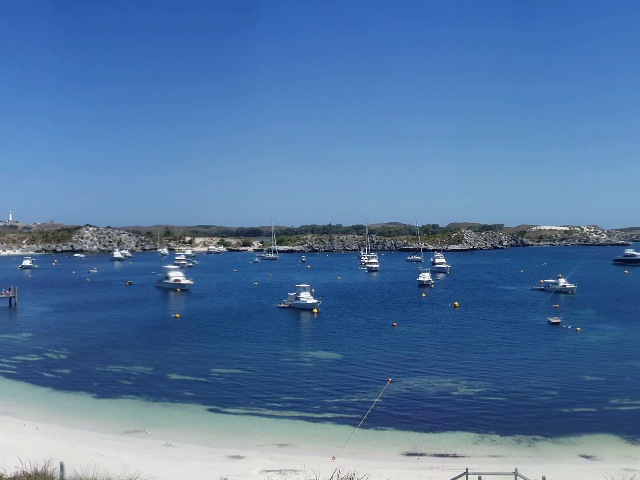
(363, 419)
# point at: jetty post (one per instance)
(12, 295)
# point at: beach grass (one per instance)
(46, 471)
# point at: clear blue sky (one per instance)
(244, 113)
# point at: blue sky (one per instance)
(245, 113)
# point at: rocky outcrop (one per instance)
(580, 235)
(469, 240)
(99, 239)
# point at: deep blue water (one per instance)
(491, 366)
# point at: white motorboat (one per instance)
(180, 260)
(272, 254)
(418, 256)
(303, 259)
(557, 285)
(187, 252)
(301, 298)
(27, 264)
(424, 278)
(439, 263)
(164, 251)
(628, 257)
(372, 264)
(126, 253)
(174, 279)
(215, 249)
(78, 255)
(117, 256)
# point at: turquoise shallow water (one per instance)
(491, 366)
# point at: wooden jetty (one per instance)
(12, 295)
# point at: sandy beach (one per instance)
(168, 442)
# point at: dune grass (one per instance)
(46, 471)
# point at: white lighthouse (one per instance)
(10, 217)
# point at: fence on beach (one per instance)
(467, 475)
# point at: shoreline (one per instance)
(167, 441)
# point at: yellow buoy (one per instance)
(315, 310)
(424, 294)
(177, 315)
(578, 329)
(456, 304)
(338, 278)
(308, 266)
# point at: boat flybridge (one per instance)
(628, 257)
(557, 285)
(439, 263)
(27, 264)
(174, 279)
(301, 298)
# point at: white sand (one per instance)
(169, 442)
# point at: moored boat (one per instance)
(27, 264)
(439, 263)
(272, 254)
(301, 298)
(117, 256)
(425, 279)
(628, 257)
(556, 285)
(174, 279)
(418, 256)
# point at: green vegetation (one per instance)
(60, 235)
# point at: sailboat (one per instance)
(369, 259)
(273, 249)
(417, 257)
(161, 250)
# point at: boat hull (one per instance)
(173, 286)
(626, 261)
(439, 269)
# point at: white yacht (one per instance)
(301, 298)
(126, 253)
(187, 252)
(164, 251)
(117, 256)
(78, 255)
(424, 278)
(557, 285)
(418, 256)
(628, 257)
(174, 279)
(372, 264)
(439, 263)
(27, 264)
(180, 260)
(273, 249)
(215, 249)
